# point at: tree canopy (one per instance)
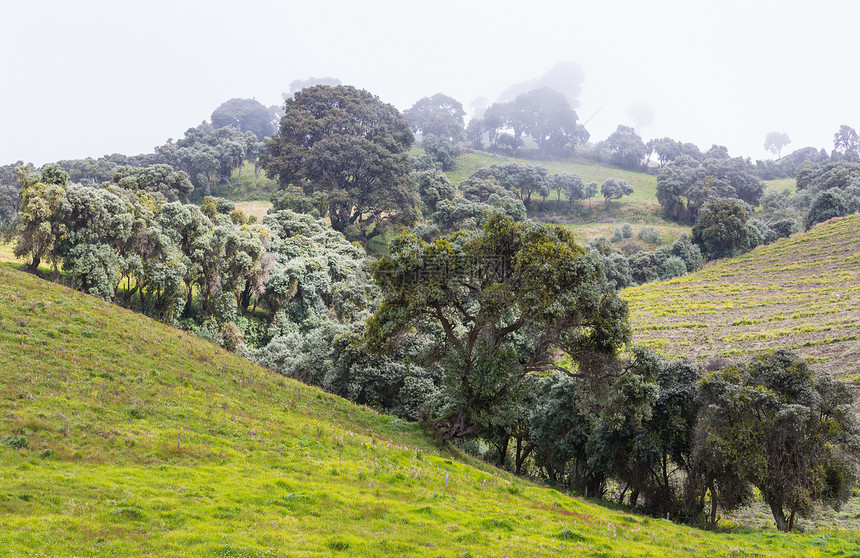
(351, 146)
(626, 147)
(439, 115)
(543, 113)
(786, 430)
(244, 115)
(504, 301)
(775, 141)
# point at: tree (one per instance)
(543, 114)
(163, 179)
(504, 302)
(40, 228)
(439, 115)
(546, 116)
(98, 223)
(570, 184)
(667, 149)
(826, 205)
(627, 149)
(244, 115)
(434, 186)
(721, 229)
(847, 141)
(738, 173)
(350, 145)
(775, 141)
(441, 151)
(785, 429)
(522, 180)
(614, 188)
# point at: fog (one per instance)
(89, 78)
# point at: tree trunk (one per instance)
(779, 517)
(454, 425)
(623, 494)
(503, 451)
(522, 454)
(186, 312)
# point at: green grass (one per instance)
(258, 209)
(800, 293)
(141, 440)
(246, 190)
(781, 184)
(591, 218)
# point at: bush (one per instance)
(784, 227)
(629, 248)
(626, 230)
(17, 442)
(825, 206)
(650, 235)
(673, 267)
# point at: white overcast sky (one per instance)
(88, 78)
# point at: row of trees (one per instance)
(685, 184)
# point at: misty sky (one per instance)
(88, 78)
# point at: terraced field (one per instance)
(802, 293)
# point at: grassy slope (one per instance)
(592, 218)
(800, 292)
(146, 441)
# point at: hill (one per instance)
(800, 292)
(120, 436)
(591, 218)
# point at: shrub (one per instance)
(673, 267)
(17, 442)
(784, 227)
(650, 235)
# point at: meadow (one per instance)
(120, 436)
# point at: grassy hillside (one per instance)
(120, 436)
(591, 218)
(800, 293)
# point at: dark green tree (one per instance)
(785, 429)
(721, 229)
(350, 145)
(163, 179)
(569, 184)
(504, 301)
(826, 205)
(626, 147)
(434, 186)
(441, 151)
(614, 188)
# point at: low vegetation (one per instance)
(124, 437)
(799, 293)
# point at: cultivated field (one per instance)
(800, 293)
